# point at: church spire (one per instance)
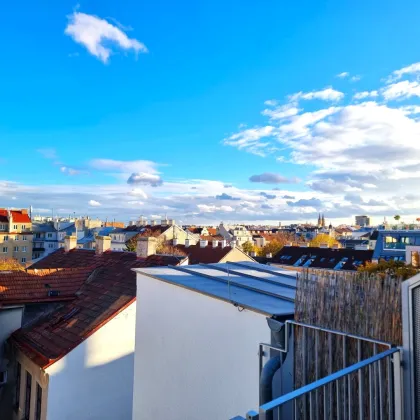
(319, 220)
(323, 221)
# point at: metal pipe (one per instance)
(266, 382)
(313, 327)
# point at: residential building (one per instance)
(198, 330)
(165, 231)
(206, 252)
(362, 221)
(77, 361)
(392, 244)
(239, 234)
(16, 237)
(335, 258)
(114, 224)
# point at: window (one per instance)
(17, 386)
(49, 235)
(6, 238)
(23, 227)
(16, 249)
(15, 227)
(28, 396)
(23, 260)
(38, 406)
(3, 377)
(50, 245)
(37, 235)
(5, 249)
(16, 237)
(24, 238)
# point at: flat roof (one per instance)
(257, 287)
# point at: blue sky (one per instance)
(162, 97)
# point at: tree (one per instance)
(273, 247)
(323, 238)
(395, 268)
(7, 264)
(397, 217)
(418, 219)
(248, 247)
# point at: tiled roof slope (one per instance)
(110, 288)
(322, 257)
(33, 286)
(204, 255)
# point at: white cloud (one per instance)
(137, 192)
(327, 94)
(96, 34)
(284, 111)
(343, 75)
(411, 69)
(249, 139)
(204, 208)
(145, 179)
(72, 171)
(355, 78)
(401, 90)
(124, 166)
(366, 94)
(94, 203)
(272, 178)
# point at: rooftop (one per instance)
(205, 255)
(263, 289)
(109, 288)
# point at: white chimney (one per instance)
(188, 243)
(203, 243)
(361, 247)
(146, 247)
(215, 244)
(223, 243)
(269, 255)
(323, 245)
(304, 245)
(171, 222)
(232, 244)
(103, 243)
(253, 254)
(335, 246)
(289, 244)
(70, 242)
(175, 241)
(164, 222)
(153, 222)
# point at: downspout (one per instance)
(273, 365)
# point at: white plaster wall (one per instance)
(196, 356)
(10, 320)
(95, 380)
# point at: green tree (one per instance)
(397, 217)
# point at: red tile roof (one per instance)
(212, 231)
(18, 216)
(110, 288)
(33, 286)
(206, 255)
(212, 238)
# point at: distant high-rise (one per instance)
(362, 220)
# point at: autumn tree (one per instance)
(248, 247)
(273, 247)
(395, 268)
(323, 238)
(7, 264)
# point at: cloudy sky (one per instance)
(208, 111)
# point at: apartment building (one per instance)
(16, 235)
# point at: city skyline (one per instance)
(247, 113)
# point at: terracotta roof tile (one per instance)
(109, 289)
(205, 255)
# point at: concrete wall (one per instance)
(10, 320)
(95, 380)
(196, 356)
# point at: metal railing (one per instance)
(373, 386)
